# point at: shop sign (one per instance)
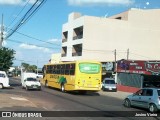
(108, 66)
(153, 67)
(139, 67)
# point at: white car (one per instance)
(31, 83)
(109, 84)
(4, 80)
(39, 75)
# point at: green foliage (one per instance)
(6, 58)
(28, 67)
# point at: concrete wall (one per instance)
(139, 32)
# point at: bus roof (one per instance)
(77, 61)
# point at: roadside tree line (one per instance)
(6, 60)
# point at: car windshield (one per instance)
(158, 92)
(31, 79)
(109, 82)
(40, 73)
(2, 75)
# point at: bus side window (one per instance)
(51, 69)
(63, 69)
(48, 68)
(66, 72)
(72, 69)
(72, 72)
(58, 69)
(67, 69)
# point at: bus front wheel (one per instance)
(62, 87)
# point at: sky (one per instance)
(45, 26)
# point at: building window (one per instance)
(64, 36)
(77, 50)
(78, 33)
(64, 52)
(119, 18)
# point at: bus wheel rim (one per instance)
(62, 88)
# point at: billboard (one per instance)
(108, 67)
(139, 66)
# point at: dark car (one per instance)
(148, 98)
(10, 74)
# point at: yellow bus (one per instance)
(79, 76)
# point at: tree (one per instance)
(6, 58)
(28, 67)
(25, 66)
(33, 68)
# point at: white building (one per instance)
(55, 58)
(96, 38)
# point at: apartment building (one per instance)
(96, 38)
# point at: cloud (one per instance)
(16, 2)
(34, 47)
(147, 3)
(99, 2)
(57, 41)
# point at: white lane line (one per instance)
(45, 108)
(19, 98)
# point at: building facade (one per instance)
(96, 38)
(131, 75)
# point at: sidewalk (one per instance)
(9, 100)
(119, 94)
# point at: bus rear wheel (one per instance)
(83, 92)
(46, 83)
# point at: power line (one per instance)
(19, 13)
(21, 21)
(27, 16)
(140, 55)
(15, 41)
(34, 37)
(29, 61)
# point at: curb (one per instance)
(119, 94)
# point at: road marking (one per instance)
(45, 108)
(19, 98)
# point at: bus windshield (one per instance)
(90, 68)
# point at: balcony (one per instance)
(78, 33)
(77, 50)
(78, 37)
(64, 52)
(77, 54)
(64, 36)
(63, 55)
(64, 40)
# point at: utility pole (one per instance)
(127, 53)
(1, 39)
(115, 59)
(37, 67)
(115, 55)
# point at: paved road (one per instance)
(18, 99)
